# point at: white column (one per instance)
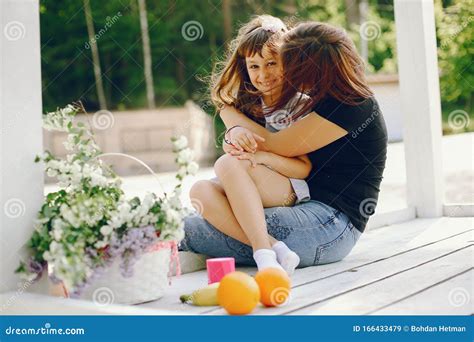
(21, 184)
(421, 107)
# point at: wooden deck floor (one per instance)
(420, 267)
(424, 266)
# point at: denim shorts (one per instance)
(318, 233)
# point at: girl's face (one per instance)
(265, 72)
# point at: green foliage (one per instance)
(455, 50)
(180, 65)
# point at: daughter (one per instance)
(251, 80)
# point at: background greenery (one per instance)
(180, 65)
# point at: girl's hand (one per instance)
(244, 139)
(254, 158)
(247, 156)
(228, 148)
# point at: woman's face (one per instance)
(265, 72)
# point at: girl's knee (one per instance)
(223, 164)
(200, 190)
(227, 164)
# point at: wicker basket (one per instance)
(149, 281)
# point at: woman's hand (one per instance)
(244, 139)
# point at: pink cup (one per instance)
(218, 268)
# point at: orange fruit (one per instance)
(238, 293)
(275, 286)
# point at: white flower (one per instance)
(69, 216)
(173, 216)
(68, 109)
(53, 247)
(47, 255)
(58, 228)
(193, 168)
(69, 143)
(185, 156)
(98, 180)
(100, 244)
(148, 200)
(106, 230)
(180, 143)
(52, 173)
(53, 164)
(57, 234)
(70, 261)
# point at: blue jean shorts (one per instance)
(318, 233)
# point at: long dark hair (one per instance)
(321, 60)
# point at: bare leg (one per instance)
(237, 178)
(209, 198)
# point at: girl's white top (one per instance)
(284, 118)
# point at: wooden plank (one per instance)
(386, 242)
(420, 102)
(373, 246)
(184, 285)
(391, 217)
(454, 294)
(316, 291)
(369, 299)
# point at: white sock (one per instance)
(288, 259)
(266, 258)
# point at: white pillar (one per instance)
(21, 184)
(421, 107)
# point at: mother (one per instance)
(345, 138)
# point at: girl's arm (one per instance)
(306, 135)
(233, 117)
(291, 167)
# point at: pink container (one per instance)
(218, 268)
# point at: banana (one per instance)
(206, 296)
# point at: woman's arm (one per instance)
(291, 167)
(306, 135)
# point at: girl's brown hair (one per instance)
(230, 82)
(322, 61)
